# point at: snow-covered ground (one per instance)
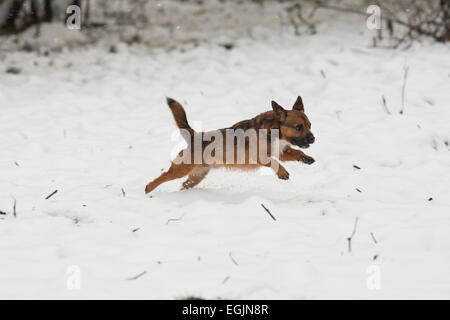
(94, 126)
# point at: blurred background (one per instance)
(187, 23)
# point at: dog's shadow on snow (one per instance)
(185, 197)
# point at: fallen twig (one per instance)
(267, 210)
(173, 219)
(356, 167)
(14, 209)
(123, 192)
(2, 213)
(349, 239)
(51, 194)
(226, 279)
(138, 276)
(405, 76)
(134, 230)
(373, 237)
(383, 100)
(232, 259)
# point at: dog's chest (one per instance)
(282, 144)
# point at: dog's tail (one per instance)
(180, 119)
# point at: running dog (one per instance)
(293, 128)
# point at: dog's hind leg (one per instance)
(195, 177)
(175, 171)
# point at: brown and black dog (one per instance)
(292, 127)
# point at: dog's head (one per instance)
(295, 127)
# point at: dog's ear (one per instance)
(298, 105)
(279, 110)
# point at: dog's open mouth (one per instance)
(303, 145)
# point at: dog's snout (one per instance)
(310, 137)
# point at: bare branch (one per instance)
(51, 194)
(232, 259)
(138, 276)
(405, 76)
(373, 238)
(349, 239)
(267, 210)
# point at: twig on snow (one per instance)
(138, 276)
(383, 100)
(405, 76)
(232, 259)
(349, 239)
(123, 192)
(267, 210)
(226, 279)
(373, 238)
(173, 219)
(14, 209)
(51, 195)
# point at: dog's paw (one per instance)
(283, 174)
(307, 159)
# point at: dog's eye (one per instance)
(299, 127)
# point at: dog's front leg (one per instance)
(290, 154)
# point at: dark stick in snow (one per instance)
(267, 210)
(356, 167)
(226, 279)
(349, 239)
(2, 213)
(373, 237)
(138, 276)
(123, 192)
(405, 76)
(14, 209)
(173, 219)
(134, 230)
(51, 195)
(232, 259)
(383, 99)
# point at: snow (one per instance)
(90, 124)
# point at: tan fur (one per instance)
(286, 121)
